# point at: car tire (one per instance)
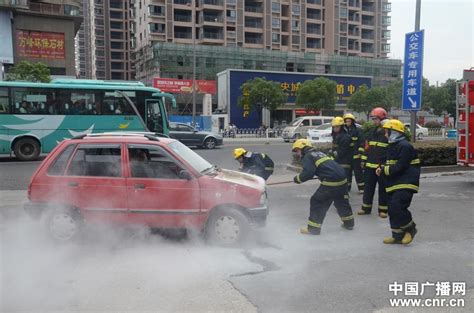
(63, 224)
(27, 149)
(210, 143)
(227, 227)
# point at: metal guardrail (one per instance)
(252, 133)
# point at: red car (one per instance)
(143, 179)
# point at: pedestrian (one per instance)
(254, 163)
(374, 156)
(333, 187)
(358, 143)
(341, 147)
(402, 172)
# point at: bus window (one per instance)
(115, 103)
(4, 100)
(33, 101)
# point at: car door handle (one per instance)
(139, 186)
(72, 184)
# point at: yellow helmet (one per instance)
(301, 144)
(337, 121)
(349, 115)
(238, 152)
(395, 125)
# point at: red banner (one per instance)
(41, 45)
(306, 112)
(184, 85)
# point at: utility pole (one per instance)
(194, 62)
(413, 113)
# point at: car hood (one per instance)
(240, 178)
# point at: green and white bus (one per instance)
(35, 117)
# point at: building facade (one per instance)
(336, 27)
(42, 31)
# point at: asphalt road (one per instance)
(118, 270)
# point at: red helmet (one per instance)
(379, 112)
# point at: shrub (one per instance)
(431, 153)
(433, 124)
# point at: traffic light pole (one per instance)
(413, 113)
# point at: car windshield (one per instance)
(295, 122)
(323, 126)
(191, 157)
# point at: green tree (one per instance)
(438, 99)
(450, 86)
(317, 94)
(259, 93)
(26, 71)
(394, 94)
(365, 99)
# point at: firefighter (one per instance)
(254, 163)
(402, 172)
(341, 147)
(373, 157)
(358, 148)
(333, 187)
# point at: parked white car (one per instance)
(420, 130)
(321, 133)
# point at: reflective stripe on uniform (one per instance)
(347, 218)
(386, 170)
(402, 186)
(407, 225)
(313, 224)
(322, 160)
(334, 183)
(352, 144)
(393, 162)
(268, 168)
(378, 144)
(346, 196)
(360, 184)
(371, 165)
(367, 205)
(363, 157)
(397, 231)
(298, 178)
(356, 156)
(345, 165)
(354, 138)
(383, 208)
(361, 150)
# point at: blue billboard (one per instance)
(413, 71)
(290, 83)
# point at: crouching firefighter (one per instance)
(374, 156)
(342, 147)
(358, 144)
(402, 176)
(333, 187)
(254, 163)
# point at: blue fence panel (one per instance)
(202, 122)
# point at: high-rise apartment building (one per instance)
(330, 27)
(105, 50)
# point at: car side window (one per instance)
(174, 127)
(96, 160)
(59, 165)
(185, 128)
(305, 123)
(152, 162)
(316, 122)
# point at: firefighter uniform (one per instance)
(358, 143)
(402, 172)
(342, 148)
(254, 163)
(333, 187)
(373, 157)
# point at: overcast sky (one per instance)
(449, 43)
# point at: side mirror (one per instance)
(195, 131)
(184, 174)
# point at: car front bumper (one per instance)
(258, 216)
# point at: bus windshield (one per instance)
(34, 117)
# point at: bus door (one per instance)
(155, 118)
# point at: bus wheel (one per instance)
(27, 149)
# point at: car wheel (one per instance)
(27, 149)
(227, 227)
(63, 225)
(210, 143)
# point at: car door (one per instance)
(94, 182)
(190, 136)
(157, 195)
(175, 132)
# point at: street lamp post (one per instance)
(413, 113)
(194, 61)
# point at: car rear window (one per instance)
(59, 165)
(96, 160)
